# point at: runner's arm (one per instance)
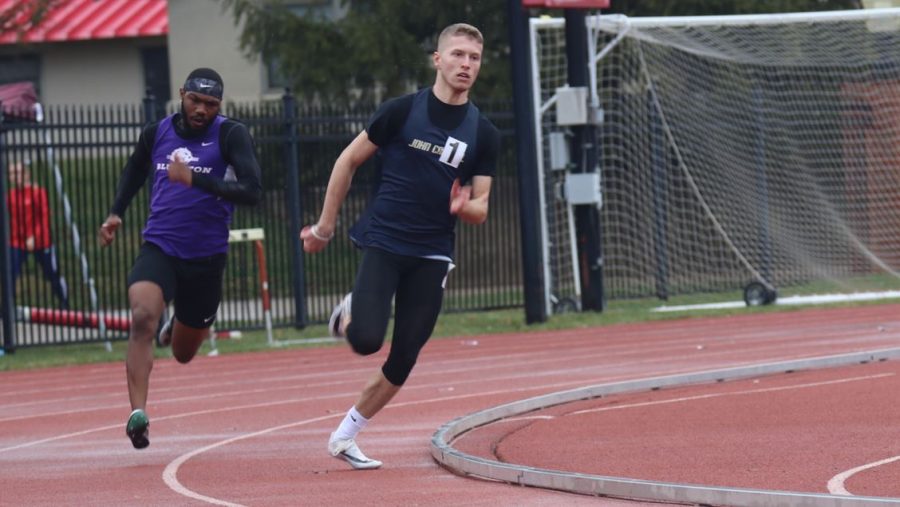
(136, 171)
(238, 152)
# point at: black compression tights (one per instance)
(417, 285)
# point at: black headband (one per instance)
(205, 86)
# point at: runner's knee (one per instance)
(186, 345)
(398, 367)
(364, 342)
(182, 356)
(144, 321)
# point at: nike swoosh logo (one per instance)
(204, 86)
(355, 459)
(207, 144)
(208, 319)
(353, 418)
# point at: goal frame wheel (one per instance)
(757, 294)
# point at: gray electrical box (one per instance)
(559, 151)
(583, 188)
(572, 105)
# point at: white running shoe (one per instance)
(164, 338)
(347, 450)
(340, 317)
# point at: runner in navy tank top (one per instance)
(438, 157)
(202, 165)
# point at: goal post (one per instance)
(733, 149)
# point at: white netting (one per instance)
(744, 148)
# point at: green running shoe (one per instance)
(138, 430)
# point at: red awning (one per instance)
(92, 19)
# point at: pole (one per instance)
(294, 205)
(762, 185)
(8, 305)
(585, 160)
(660, 209)
(529, 218)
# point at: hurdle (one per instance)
(257, 236)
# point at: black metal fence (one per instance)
(76, 154)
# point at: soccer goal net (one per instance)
(734, 149)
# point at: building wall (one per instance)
(89, 72)
(202, 35)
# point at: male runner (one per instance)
(438, 157)
(203, 163)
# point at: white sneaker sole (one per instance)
(357, 464)
(338, 322)
(348, 451)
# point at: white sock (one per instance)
(352, 424)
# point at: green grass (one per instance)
(449, 325)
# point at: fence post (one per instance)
(294, 207)
(8, 306)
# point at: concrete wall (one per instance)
(202, 35)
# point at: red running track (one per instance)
(251, 429)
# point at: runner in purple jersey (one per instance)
(202, 164)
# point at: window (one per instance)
(16, 68)
(156, 76)
(274, 75)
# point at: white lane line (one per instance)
(584, 381)
(271, 404)
(519, 362)
(811, 299)
(170, 474)
(267, 381)
(174, 416)
(733, 393)
(836, 484)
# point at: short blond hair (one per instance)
(464, 29)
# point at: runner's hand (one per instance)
(179, 172)
(313, 238)
(459, 196)
(108, 229)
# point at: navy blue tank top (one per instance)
(410, 214)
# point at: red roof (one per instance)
(92, 19)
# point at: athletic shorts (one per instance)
(195, 284)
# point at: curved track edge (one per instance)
(620, 487)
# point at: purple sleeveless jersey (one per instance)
(186, 222)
